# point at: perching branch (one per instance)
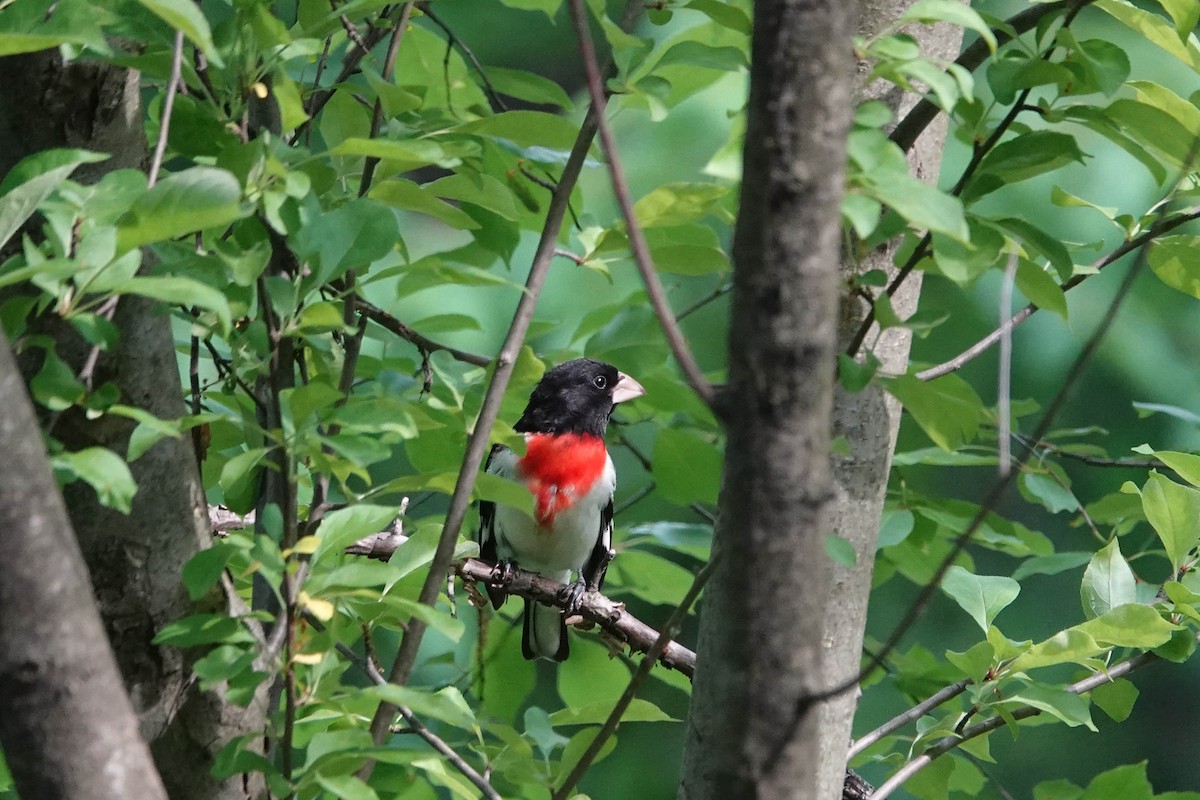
(164, 123)
(637, 241)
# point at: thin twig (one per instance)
(721, 290)
(497, 103)
(911, 715)
(423, 343)
(164, 123)
(637, 241)
(974, 351)
(669, 631)
(389, 68)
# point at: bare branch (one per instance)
(911, 715)
(164, 123)
(637, 241)
(494, 98)
(423, 343)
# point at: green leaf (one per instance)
(407, 154)
(529, 86)
(186, 16)
(1108, 582)
(678, 204)
(1050, 493)
(981, 596)
(525, 129)
(399, 193)
(687, 467)
(1127, 782)
(1176, 262)
(596, 713)
(947, 409)
(346, 787)
(921, 205)
(178, 290)
(840, 550)
(1034, 238)
(349, 237)
(1066, 706)
(198, 629)
(103, 470)
(1185, 465)
(204, 569)
(447, 705)
(1131, 625)
(32, 180)
(1116, 699)
(931, 11)
(183, 202)
(1173, 510)
(343, 527)
(1024, 157)
(697, 54)
(1050, 565)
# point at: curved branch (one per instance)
(980, 347)
(925, 111)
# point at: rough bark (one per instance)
(67, 728)
(135, 560)
(750, 733)
(869, 419)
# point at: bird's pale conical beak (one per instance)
(626, 389)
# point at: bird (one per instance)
(567, 469)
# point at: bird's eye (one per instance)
(600, 381)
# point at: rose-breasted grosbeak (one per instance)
(567, 469)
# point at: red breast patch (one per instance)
(559, 469)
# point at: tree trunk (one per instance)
(750, 733)
(135, 560)
(869, 419)
(66, 725)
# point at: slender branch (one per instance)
(669, 631)
(164, 123)
(423, 343)
(494, 98)
(911, 715)
(1004, 381)
(389, 67)
(947, 744)
(637, 241)
(974, 351)
(925, 111)
(1095, 461)
(721, 290)
(477, 443)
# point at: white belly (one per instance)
(561, 548)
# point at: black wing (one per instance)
(602, 553)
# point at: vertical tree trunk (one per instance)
(869, 419)
(66, 726)
(750, 734)
(135, 560)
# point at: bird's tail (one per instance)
(544, 632)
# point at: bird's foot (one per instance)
(573, 595)
(504, 571)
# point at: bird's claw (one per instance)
(504, 572)
(573, 596)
